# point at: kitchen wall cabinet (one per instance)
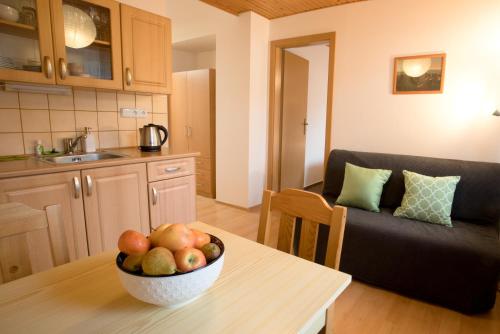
(115, 200)
(147, 51)
(41, 47)
(192, 122)
(172, 201)
(27, 52)
(60, 196)
(97, 65)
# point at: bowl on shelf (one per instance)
(8, 13)
(175, 290)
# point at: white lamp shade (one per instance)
(79, 29)
(416, 67)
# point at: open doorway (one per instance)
(301, 92)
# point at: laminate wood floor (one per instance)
(363, 308)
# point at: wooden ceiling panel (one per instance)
(273, 9)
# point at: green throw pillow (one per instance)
(428, 198)
(362, 187)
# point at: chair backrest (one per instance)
(25, 245)
(313, 210)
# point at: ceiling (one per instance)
(200, 44)
(273, 9)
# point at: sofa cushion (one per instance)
(428, 198)
(362, 187)
(477, 197)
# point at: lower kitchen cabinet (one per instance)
(173, 201)
(59, 195)
(115, 200)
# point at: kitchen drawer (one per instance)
(169, 169)
(203, 163)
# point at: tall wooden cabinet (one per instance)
(116, 200)
(147, 51)
(60, 196)
(192, 122)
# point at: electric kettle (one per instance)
(151, 140)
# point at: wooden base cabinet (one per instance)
(115, 200)
(172, 201)
(60, 196)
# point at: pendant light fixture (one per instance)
(79, 29)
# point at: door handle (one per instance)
(49, 69)
(172, 169)
(155, 195)
(305, 125)
(78, 186)
(90, 185)
(63, 68)
(128, 76)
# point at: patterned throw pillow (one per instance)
(428, 198)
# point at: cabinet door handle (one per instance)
(155, 195)
(128, 76)
(190, 131)
(78, 186)
(90, 185)
(49, 69)
(186, 128)
(172, 169)
(63, 68)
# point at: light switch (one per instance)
(133, 113)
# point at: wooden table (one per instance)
(260, 290)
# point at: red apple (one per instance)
(176, 237)
(133, 243)
(188, 259)
(200, 238)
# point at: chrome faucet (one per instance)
(70, 143)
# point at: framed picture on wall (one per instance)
(419, 74)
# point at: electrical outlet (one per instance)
(133, 113)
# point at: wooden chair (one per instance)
(28, 242)
(314, 210)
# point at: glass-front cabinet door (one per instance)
(87, 43)
(26, 52)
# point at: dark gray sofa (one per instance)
(455, 267)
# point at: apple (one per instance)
(200, 238)
(133, 243)
(188, 259)
(176, 237)
(155, 235)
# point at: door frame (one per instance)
(275, 100)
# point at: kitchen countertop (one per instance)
(34, 166)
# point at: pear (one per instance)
(155, 235)
(159, 261)
(133, 263)
(211, 251)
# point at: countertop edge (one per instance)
(50, 168)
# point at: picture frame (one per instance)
(421, 74)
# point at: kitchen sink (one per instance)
(76, 158)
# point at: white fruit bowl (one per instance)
(8, 13)
(175, 290)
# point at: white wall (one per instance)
(367, 117)
(187, 61)
(206, 59)
(237, 120)
(317, 55)
(258, 114)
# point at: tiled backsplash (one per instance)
(26, 117)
